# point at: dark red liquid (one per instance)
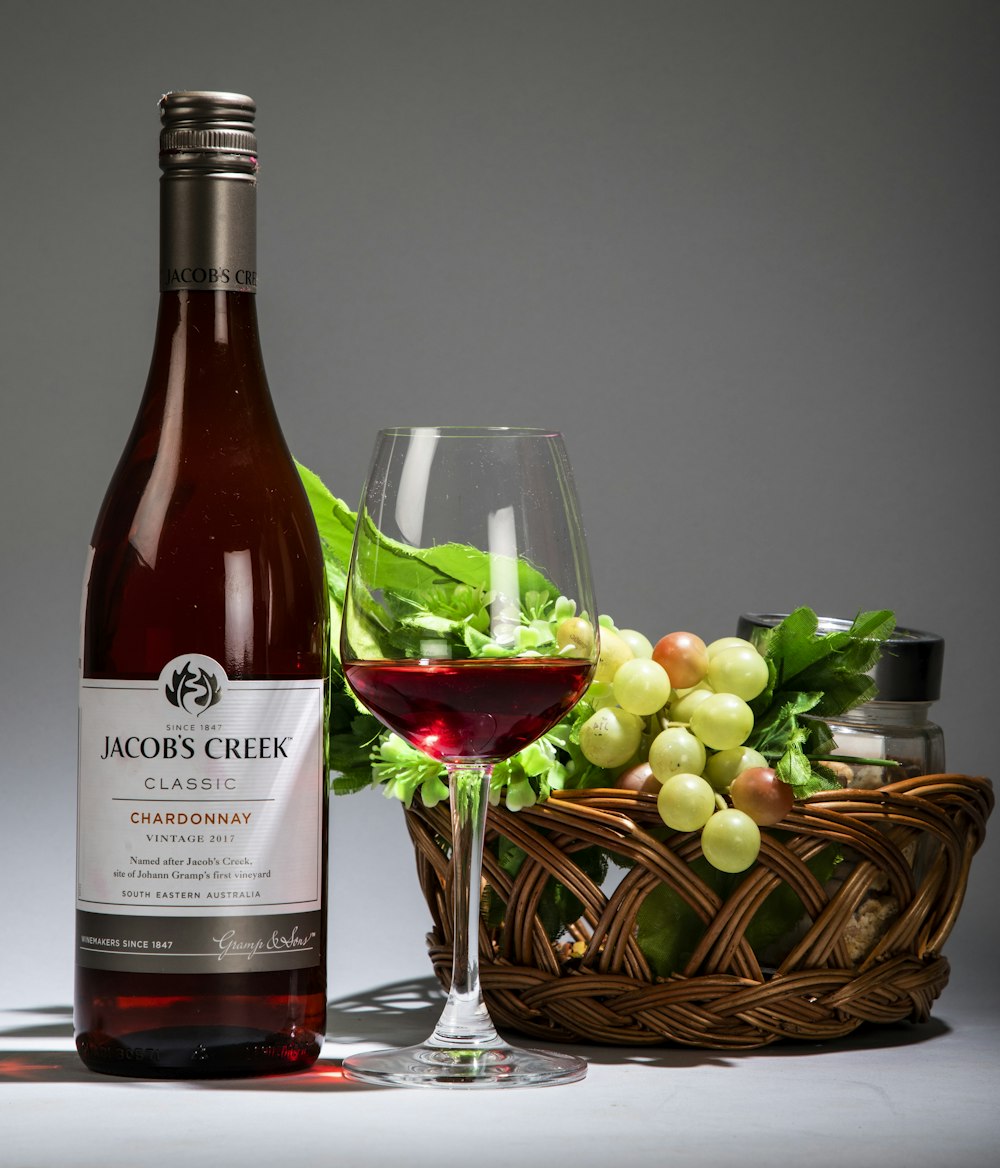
(482, 709)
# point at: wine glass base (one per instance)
(464, 1067)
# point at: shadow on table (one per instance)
(405, 1012)
(396, 1014)
(865, 1038)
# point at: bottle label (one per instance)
(201, 816)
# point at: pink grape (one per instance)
(762, 795)
(684, 657)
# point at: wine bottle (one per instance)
(202, 827)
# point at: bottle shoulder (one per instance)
(182, 499)
(221, 563)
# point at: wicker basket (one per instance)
(909, 846)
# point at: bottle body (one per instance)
(202, 829)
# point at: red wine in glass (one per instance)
(470, 709)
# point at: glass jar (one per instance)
(894, 726)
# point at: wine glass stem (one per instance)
(465, 1021)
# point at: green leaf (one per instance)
(511, 857)
(668, 929)
(774, 730)
(404, 770)
(351, 781)
(400, 569)
(335, 521)
(520, 794)
(776, 919)
(557, 906)
(874, 626)
(440, 593)
(793, 643)
(812, 676)
(795, 769)
(844, 694)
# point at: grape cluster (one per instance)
(673, 719)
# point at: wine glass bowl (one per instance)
(469, 630)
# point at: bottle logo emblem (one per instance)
(193, 683)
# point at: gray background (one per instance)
(744, 255)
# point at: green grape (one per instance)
(610, 737)
(575, 637)
(730, 840)
(685, 802)
(739, 670)
(563, 608)
(641, 687)
(682, 709)
(722, 721)
(726, 643)
(614, 653)
(723, 766)
(600, 694)
(674, 750)
(635, 640)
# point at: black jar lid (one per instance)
(909, 669)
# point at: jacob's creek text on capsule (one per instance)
(171, 746)
(243, 277)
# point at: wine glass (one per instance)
(469, 629)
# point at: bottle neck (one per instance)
(208, 231)
(203, 334)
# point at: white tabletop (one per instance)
(907, 1096)
(911, 1096)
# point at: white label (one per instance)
(199, 797)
